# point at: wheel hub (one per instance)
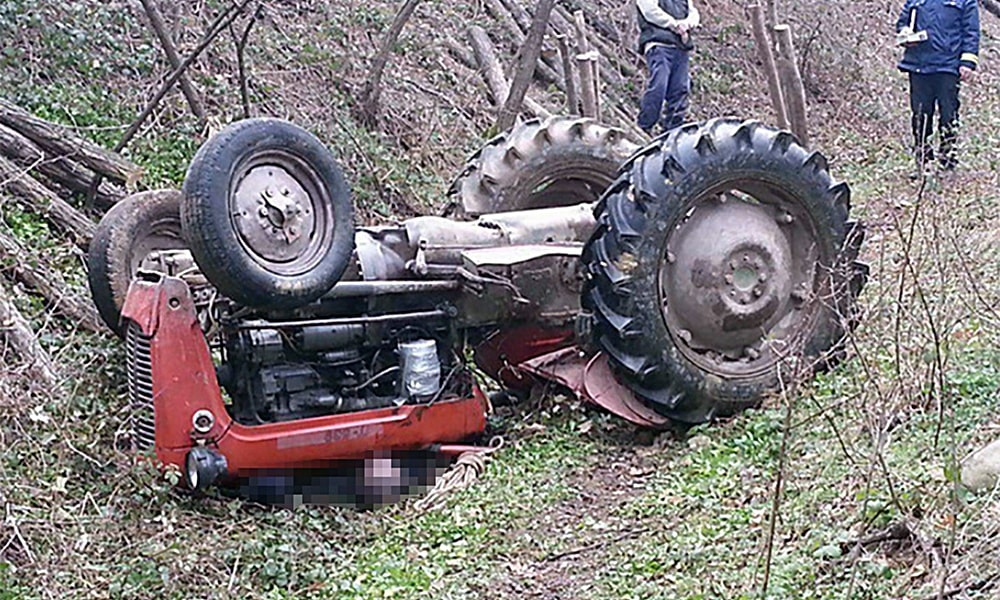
(273, 214)
(727, 279)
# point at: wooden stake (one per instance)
(572, 99)
(795, 92)
(584, 68)
(770, 70)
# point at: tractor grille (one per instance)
(139, 372)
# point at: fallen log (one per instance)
(40, 199)
(545, 67)
(460, 53)
(29, 269)
(68, 174)
(519, 13)
(61, 141)
(564, 22)
(594, 21)
(15, 330)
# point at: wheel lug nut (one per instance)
(285, 191)
(784, 218)
(762, 277)
(757, 292)
(728, 279)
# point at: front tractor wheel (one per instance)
(723, 250)
(267, 214)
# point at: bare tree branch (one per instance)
(156, 21)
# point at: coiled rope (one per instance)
(467, 469)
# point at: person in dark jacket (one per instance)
(665, 41)
(937, 62)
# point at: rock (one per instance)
(981, 469)
(699, 441)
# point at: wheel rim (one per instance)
(739, 278)
(570, 184)
(159, 238)
(281, 213)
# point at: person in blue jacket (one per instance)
(937, 62)
(665, 42)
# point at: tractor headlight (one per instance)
(203, 468)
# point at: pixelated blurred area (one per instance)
(376, 481)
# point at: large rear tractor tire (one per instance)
(723, 266)
(128, 235)
(268, 214)
(540, 164)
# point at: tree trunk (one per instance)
(373, 86)
(530, 52)
(60, 141)
(31, 270)
(15, 329)
(156, 21)
(44, 201)
(794, 91)
(492, 72)
(217, 26)
(62, 171)
(770, 70)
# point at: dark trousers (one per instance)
(668, 84)
(927, 92)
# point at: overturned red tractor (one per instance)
(681, 281)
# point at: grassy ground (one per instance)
(843, 489)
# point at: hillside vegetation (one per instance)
(844, 489)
